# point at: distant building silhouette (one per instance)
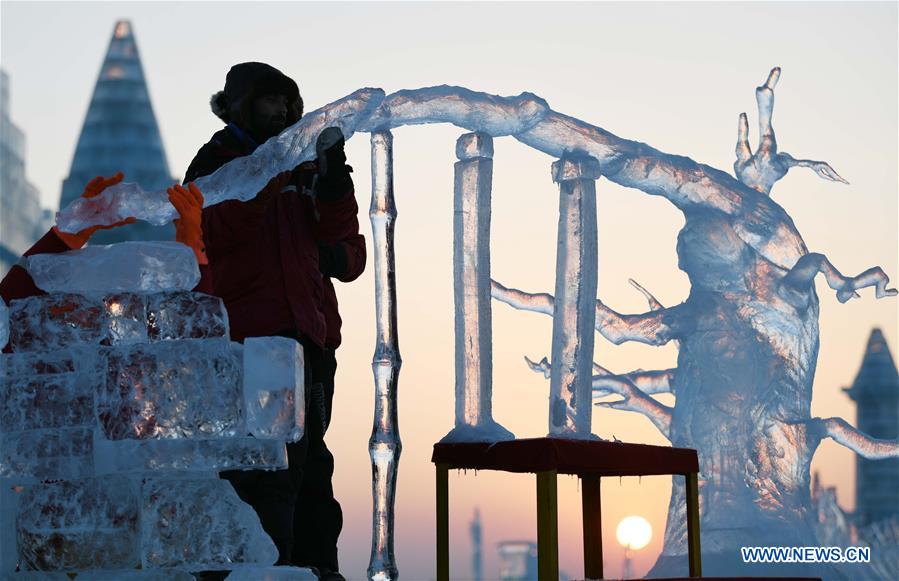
(477, 564)
(120, 134)
(22, 221)
(518, 561)
(876, 394)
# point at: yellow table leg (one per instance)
(693, 550)
(547, 527)
(591, 516)
(442, 522)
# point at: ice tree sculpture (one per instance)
(748, 344)
(120, 401)
(748, 331)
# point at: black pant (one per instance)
(296, 506)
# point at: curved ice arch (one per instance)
(528, 118)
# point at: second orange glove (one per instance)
(188, 227)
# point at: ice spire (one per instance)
(120, 133)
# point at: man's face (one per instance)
(269, 116)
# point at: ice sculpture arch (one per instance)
(756, 309)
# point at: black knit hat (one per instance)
(248, 81)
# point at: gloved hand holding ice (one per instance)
(273, 388)
(240, 179)
(123, 267)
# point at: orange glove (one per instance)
(93, 188)
(188, 228)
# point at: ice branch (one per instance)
(763, 224)
(654, 304)
(859, 442)
(761, 170)
(634, 400)
(651, 328)
(649, 382)
(538, 303)
(800, 279)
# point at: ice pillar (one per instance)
(384, 446)
(574, 313)
(471, 287)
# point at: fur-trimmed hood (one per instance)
(247, 81)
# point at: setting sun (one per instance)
(634, 532)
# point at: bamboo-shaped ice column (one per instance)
(384, 446)
(574, 311)
(471, 286)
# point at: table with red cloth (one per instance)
(590, 460)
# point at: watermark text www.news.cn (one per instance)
(806, 554)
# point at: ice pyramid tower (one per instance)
(120, 401)
(876, 394)
(120, 134)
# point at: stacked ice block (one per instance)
(117, 410)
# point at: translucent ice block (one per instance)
(272, 574)
(80, 359)
(471, 289)
(121, 456)
(126, 315)
(31, 402)
(9, 505)
(125, 267)
(574, 313)
(172, 389)
(85, 524)
(51, 454)
(273, 388)
(186, 315)
(200, 524)
(4, 324)
(55, 321)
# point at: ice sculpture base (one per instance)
(489, 432)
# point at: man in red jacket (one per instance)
(272, 259)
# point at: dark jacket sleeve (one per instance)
(205, 284)
(17, 284)
(341, 246)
